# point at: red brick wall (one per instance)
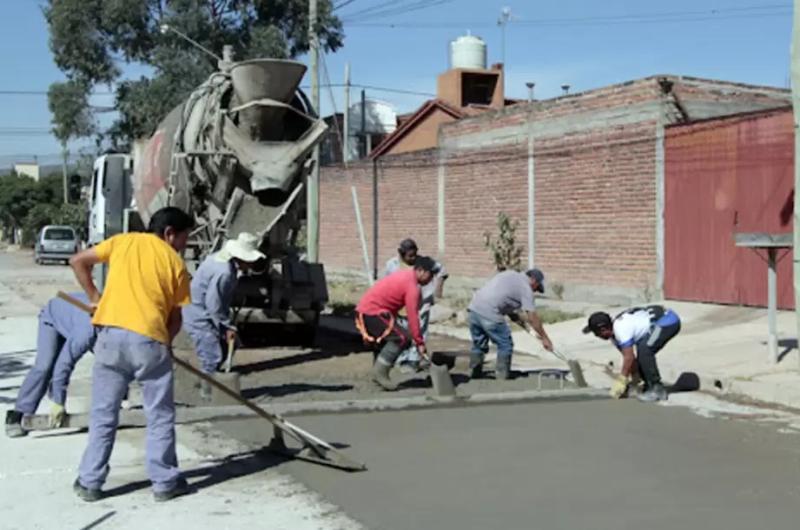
(479, 185)
(595, 207)
(407, 207)
(595, 186)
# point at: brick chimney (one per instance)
(463, 87)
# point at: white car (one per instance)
(56, 243)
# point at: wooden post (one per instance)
(795, 70)
(772, 304)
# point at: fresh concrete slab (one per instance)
(571, 465)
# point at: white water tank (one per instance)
(468, 51)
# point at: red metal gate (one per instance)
(721, 177)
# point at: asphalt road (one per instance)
(580, 465)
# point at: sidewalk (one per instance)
(235, 488)
(725, 346)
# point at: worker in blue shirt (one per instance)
(65, 335)
(207, 320)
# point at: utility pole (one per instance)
(346, 125)
(505, 18)
(65, 180)
(531, 182)
(795, 71)
(312, 188)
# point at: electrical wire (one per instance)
(765, 11)
(392, 9)
(342, 4)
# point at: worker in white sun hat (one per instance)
(207, 320)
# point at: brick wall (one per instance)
(407, 207)
(596, 184)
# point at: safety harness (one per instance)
(369, 339)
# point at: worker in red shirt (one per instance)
(376, 316)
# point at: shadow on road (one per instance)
(292, 388)
(228, 468)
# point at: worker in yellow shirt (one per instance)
(137, 317)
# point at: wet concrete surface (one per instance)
(338, 368)
(579, 465)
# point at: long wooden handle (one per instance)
(316, 445)
(205, 377)
(74, 301)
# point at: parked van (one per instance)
(56, 243)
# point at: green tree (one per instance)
(506, 254)
(18, 194)
(92, 39)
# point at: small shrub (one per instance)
(506, 254)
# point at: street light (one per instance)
(166, 28)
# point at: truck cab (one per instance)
(110, 202)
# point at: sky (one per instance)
(583, 43)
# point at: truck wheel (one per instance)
(308, 334)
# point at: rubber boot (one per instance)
(476, 366)
(503, 368)
(14, 424)
(380, 376)
(657, 392)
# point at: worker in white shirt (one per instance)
(643, 329)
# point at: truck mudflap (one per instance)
(289, 297)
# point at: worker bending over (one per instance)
(138, 316)
(376, 316)
(406, 257)
(65, 335)
(207, 319)
(648, 329)
(505, 294)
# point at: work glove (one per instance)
(619, 387)
(57, 415)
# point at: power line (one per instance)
(392, 8)
(373, 8)
(773, 10)
(378, 89)
(340, 5)
(43, 93)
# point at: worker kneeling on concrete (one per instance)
(65, 335)
(648, 329)
(376, 316)
(505, 294)
(207, 320)
(137, 317)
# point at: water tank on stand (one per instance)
(468, 51)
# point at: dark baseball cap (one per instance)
(597, 322)
(427, 264)
(538, 276)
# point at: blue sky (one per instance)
(585, 43)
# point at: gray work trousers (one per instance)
(120, 357)
(647, 348)
(48, 345)
(208, 343)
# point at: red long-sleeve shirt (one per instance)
(392, 293)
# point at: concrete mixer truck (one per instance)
(236, 155)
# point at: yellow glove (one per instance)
(57, 415)
(619, 387)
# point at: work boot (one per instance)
(86, 494)
(205, 390)
(476, 366)
(502, 369)
(181, 488)
(380, 376)
(14, 424)
(657, 392)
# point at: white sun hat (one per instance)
(244, 247)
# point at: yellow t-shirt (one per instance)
(146, 280)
